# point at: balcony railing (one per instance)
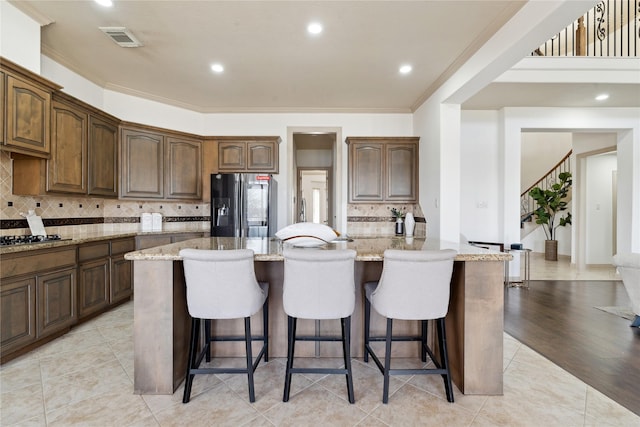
(611, 28)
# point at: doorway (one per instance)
(314, 203)
(314, 175)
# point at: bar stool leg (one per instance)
(195, 331)
(265, 329)
(444, 358)
(247, 340)
(423, 341)
(367, 320)
(387, 361)
(291, 326)
(207, 339)
(346, 351)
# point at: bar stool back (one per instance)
(319, 284)
(223, 285)
(414, 285)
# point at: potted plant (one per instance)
(550, 203)
(398, 214)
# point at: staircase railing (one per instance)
(527, 204)
(611, 28)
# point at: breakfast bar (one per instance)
(474, 322)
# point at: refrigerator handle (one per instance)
(242, 229)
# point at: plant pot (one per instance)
(551, 250)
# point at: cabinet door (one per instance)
(121, 279)
(401, 172)
(366, 162)
(142, 164)
(262, 157)
(103, 158)
(183, 169)
(18, 314)
(232, 156)
(67, 168)
(93, 286)
(28, 117)
(56, 301)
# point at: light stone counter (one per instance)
(474, 322)
(367, 248)
(88, 237)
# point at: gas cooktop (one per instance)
(26, 240)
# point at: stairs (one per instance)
(527, 204)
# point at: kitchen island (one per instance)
(474, 322)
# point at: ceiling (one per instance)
(271, 62)
(273, 65)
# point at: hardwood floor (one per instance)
(557, 319)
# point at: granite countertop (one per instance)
(270, 249)
(87, 237)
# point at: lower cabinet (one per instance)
(121, 270)
(56, 296)
(18, 313)
(47, 291)
(37, 297)
(93, 292)
(105, 276)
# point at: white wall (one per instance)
(599, 208)
(19, 37)
(480, 201)
(72, 83)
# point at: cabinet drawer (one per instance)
(122, 246)
(37, 261)
(93, 251)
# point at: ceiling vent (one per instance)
(121, 36)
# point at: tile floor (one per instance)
(85, 378)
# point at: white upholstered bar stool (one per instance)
(414, 285)
(222, 285)
(319, 284)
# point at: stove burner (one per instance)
(25, 240)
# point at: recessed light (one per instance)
(217, 68)
(105, 3)
(602, 97)
(314, 28)
(405, 69)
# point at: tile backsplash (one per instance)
(376, 219)
(119, 215)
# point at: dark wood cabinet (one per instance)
(18, 313)
(84, 154)
(142, 173)
(37, 296)
(183, 169)
(93, 286)
(383, 169)
(105, 277)
(67, 168)
(102, 157)
(26, 114)
(3, 128)
(248, 154)
(121, 270)
(56, 301)
(156, 165)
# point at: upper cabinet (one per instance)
(84, 154)
(160, 165)
(183, 168)
(103, 156)
(383, 169)
(257, 154)
(27, 114)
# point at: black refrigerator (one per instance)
(243, 205)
